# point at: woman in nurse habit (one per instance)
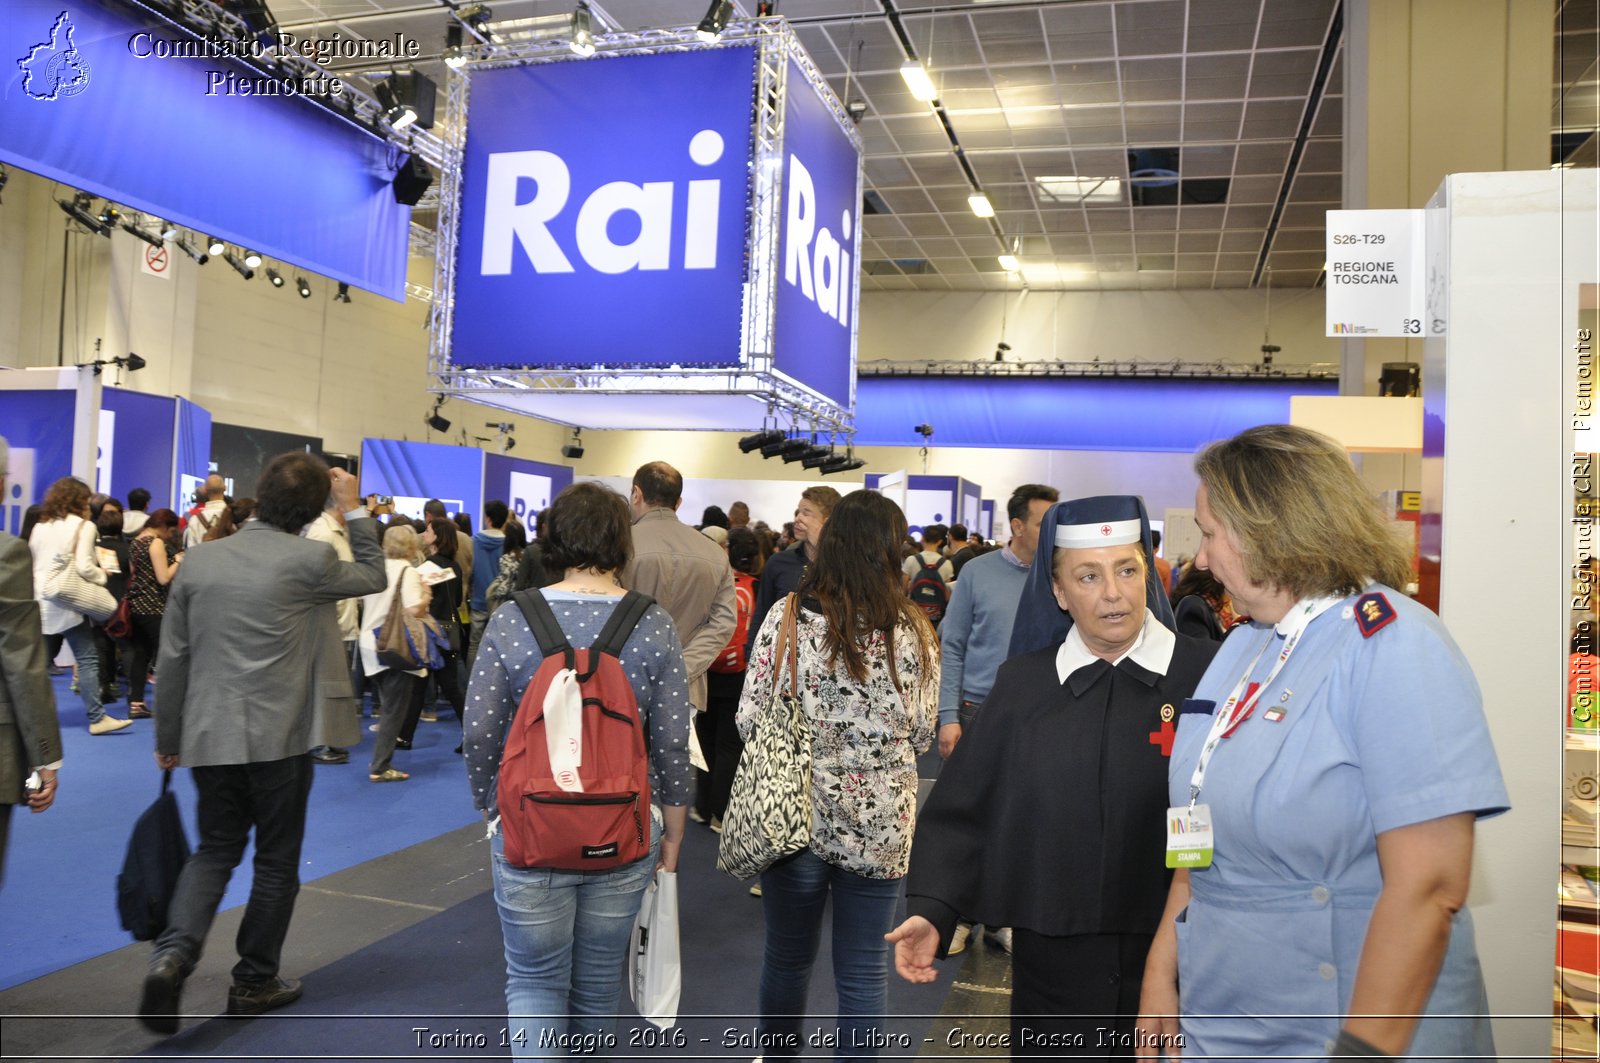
(1325, 784)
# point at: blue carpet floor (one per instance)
(58, 905)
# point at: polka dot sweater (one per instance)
(509, 655)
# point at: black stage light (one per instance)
(452, 46)
(411, 181)
(303, 286)
(760, 439)
(252, 259)
(133, 230)
(110, 215)
(816, 457)
(406, 97)
(794, 450)
(716, 20)
(846, 462)
(572, 451)
(275, 277)
(773, 449)
(168, 230)
(134, 362)
(187, 248)
(923, 430)
(233, 260)
(343, 294)
(215, 246)
(438, 424)
(78, 211)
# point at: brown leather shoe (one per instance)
(255, 999)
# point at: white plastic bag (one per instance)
(655, 974)
(563, 730)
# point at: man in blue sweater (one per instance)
(977, 623)
(976, 634)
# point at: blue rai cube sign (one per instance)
(604, 212)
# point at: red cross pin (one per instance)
(1105, 529)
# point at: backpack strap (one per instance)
(624, 618)
(552, 640)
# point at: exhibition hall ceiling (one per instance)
(1124, 144)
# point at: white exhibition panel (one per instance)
(1369, 424)
(1515, 248)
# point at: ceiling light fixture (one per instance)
(233, 260)
(133, 230)
(187, 248)
(760, 439)
(717, 15)
(1009, 263)
(343, 294)
(979, 202)
(275, 277)
(303, 286)
(252, 259)
(582, 42)
(78, 211)
(452, 46)
(435, 421)
(918, 81)
(215, 246)
(168, 230)
(407, 97)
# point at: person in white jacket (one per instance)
(64, 528)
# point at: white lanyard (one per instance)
(1234, 711)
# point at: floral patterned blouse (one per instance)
(865, 740)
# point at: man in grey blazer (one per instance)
(247, 655)
(30, 737)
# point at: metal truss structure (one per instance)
(1136, 368)
(750, 388)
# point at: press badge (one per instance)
(1189, 839)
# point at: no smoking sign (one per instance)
(156, 261)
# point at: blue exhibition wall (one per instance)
(412, 473)
(91, 102)
(1070, 413)
(137, 436)
(38, 427)
(814, 341)
(526, 486)
(597, 184)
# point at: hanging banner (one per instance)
(1376, 273)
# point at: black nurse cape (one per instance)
(1050, 814)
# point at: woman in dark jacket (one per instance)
(113, 550)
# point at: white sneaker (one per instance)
(1001, 937)
(755, 891)
(107, 724)
(958, 940)
(716, 824)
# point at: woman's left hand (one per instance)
(916, 943)
(669, 854)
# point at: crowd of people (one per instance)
(1185, 799)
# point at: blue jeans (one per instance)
(81, 639)
(793, 893)
(566, 937)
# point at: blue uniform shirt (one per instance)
(1359, 734)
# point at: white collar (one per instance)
(1152, 650)
(1304, 611)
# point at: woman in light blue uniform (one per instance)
(1338, 749)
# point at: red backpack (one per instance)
(604, 820)
(732, 658)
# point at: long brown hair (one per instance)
(67, 497)
(856, 579)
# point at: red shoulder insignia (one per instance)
(1373, 612)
